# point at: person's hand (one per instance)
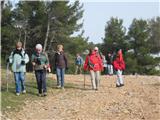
(49, 69)
(33, 63)
(66, 68)
(45, 66)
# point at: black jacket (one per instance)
(60, 60)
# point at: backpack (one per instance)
(15, 52)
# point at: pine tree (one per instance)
(139, 42)
(114, 35)
(154, 41)
(8, 32)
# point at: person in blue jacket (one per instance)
(78, 63)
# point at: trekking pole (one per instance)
(7, 74)
(84, 80)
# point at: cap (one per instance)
(96, 48)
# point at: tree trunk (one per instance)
(25, 37)
(20, 34)
(46, 39)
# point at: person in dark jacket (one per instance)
(61, 65)
(109, 59)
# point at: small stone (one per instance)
(8, 107)
(126, 111)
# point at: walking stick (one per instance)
(7, 74)
(84, 80)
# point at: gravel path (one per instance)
(137, 100)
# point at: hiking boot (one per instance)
(118, 85)
(24, 91)
(122, 85)
(39, 95)
(58, 86)
(62, 88)
(18, 94)
(44, 94)
(96, 89)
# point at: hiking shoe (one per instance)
(44, 94)
(24, 91)
(39, 95)
(62, 88)
(58, 86)
(118, 85)
(18, 94)
(122, 85)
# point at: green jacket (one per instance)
(16, 61)
(40, 60)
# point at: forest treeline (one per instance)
(54, 22)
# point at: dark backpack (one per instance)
(15, 52)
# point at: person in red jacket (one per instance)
(119, 66)
(93, 63)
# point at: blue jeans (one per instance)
(60, 76)
(19, 81)
(41, 80)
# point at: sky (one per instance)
(96, 15)
(98, 12)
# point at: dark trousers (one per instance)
(41, 80)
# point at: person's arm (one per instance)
(100, 63)
(26, 58)
(81, 61)
(55, 61)
(47, 60)
(33, 60)
(66, 61)
(10, 58)
(47, 64)
(122, 65)
(85, 67)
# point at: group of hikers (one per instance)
(94, 62)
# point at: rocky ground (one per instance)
(139, 99)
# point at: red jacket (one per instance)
(94, 59)
(119, 63)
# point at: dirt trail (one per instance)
(138, 99)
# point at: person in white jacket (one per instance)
(19, 58)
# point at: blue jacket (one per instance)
(79, 60)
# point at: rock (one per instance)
(8, 107)
(126, 111)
